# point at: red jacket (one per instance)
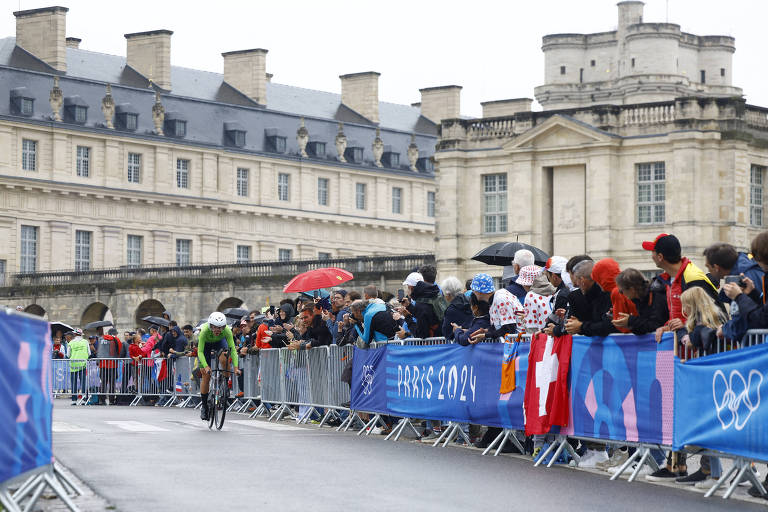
(133, 351)
(604, 273)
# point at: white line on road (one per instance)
(264, 425)
(136, 426)
(60, 426)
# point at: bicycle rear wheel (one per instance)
(212, 402)
(222, 401)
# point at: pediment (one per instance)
(560, 132)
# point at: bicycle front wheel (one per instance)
(222, 402)
(212, 402)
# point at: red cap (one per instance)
(649, 246)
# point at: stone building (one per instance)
(642, 132)
(109, 161)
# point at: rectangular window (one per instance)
(131, 121)
(562, 70)
(134, 167)
(283, 186)
(28, 155)
(243, 253)
(242, 182)
(633, 62)
(2, 272)
(323, 255)
(360, 196)
(703, 76)
(495, 203)
(284, 254)
(181, 128)
(133, 257)
(592, 63)
(322, 191)
(722, 71)
(183, 252)
(756, 177)
(397, 199)
(430, 204)
(28, 260)
(82, 250)
(651, 193)
(182, 173)
(83, 161)
(27, 106)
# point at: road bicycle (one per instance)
(218, 394)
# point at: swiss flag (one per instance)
(546, 388)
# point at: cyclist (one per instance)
(214, 335)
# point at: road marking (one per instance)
(136, 426)
(60, 426)
(264, 425)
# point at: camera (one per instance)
(736, 279)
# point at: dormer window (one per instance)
(276, 140)
(390, 158)
(75, 110)
(425, 163)
(22, 102)
(126, 117)
(234, 135)
(175, 125)
(354, 153)
(316, 148)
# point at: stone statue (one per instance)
(56, 99)
(108, 107)
(413, 154)
(378, 148)
(158, 114)
(341, 143)
(302, 137)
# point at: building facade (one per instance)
(650, 144)
(109, 161)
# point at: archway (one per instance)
(231, 302)
(95, 312)
(149, 307)
(35, 309)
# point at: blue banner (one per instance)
(622, 388)
(443, 382)
(25, 394)
(720, 402)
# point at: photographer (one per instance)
(755, 311)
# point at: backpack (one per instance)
(439, 305)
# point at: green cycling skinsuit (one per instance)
(207, 346)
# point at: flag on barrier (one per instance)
(720, 402)
(179, 387)
(546, 390)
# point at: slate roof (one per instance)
(207, 102)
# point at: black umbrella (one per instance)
(60, 326)
(157, 320)
(235, 312)
(96, 325)
(503, 253)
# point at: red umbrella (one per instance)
(318, 278)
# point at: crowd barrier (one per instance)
(307, 385)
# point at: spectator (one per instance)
(109, 347)
(588, 305)
(189, 333)
(333, 318)
(523, 258)
(178, 344)
(59, 346)
(679, 275)
(371, 294)
(458, 311)
(134, 352)
(314, 332)
(481, 322)
(376, 322)
(504, 307)
(650, 301)
(78, 355)
(555, 268)
(604, 274)
(754, 310)
(352, 297)
(568, 277)
(537, 306)
(418, 309)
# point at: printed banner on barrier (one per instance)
(720, 402)
(25, 394)
(622, 388)
(546, 401)
(442, 382)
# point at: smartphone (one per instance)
(400, 294)
(271, 310)
(735, 279)
(316, 294)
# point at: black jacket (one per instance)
(591, 309)
(317, 334)
(652, 311)
(427, 322)
(478, 322)
(458, 312)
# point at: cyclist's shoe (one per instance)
(204, 413)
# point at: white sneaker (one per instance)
(618, 458)
(376, 430)
(592, 457)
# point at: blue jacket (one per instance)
(478, 322)
(749, 267)
(371, 310)
(332, 324)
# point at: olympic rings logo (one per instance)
(738, 397)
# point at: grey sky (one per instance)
(491, 48)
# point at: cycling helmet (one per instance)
(217, 319)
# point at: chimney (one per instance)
(246, 71)
(360, 92)
(503, 108)
(630, 13)
(73, 42)
(41, 32)
(438, 103)
(149, 53)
